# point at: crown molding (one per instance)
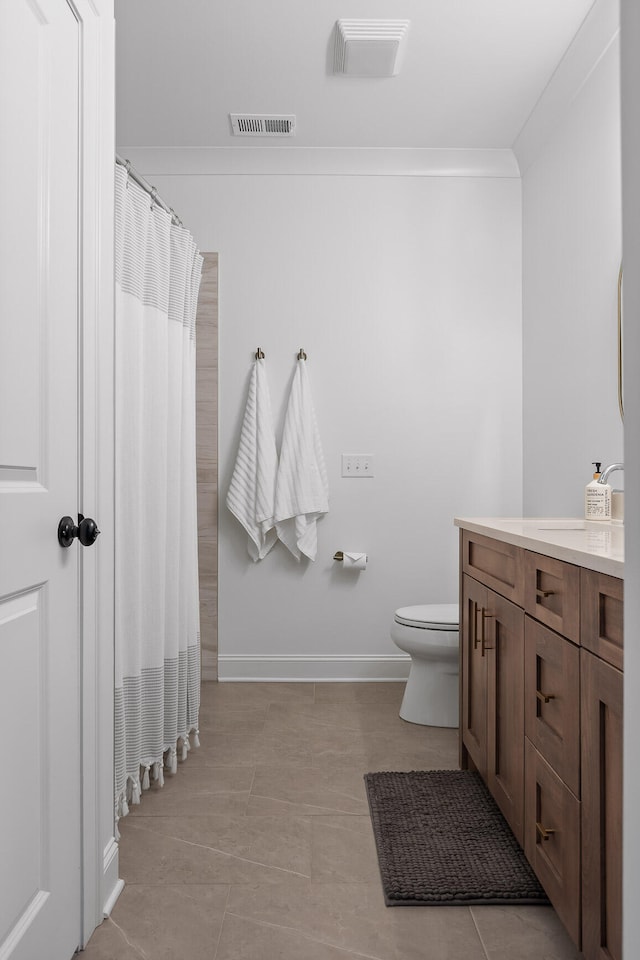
(326, 161)
(599, 30)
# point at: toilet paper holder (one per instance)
(339, 555)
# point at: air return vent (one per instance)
(263, 125)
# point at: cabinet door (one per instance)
(552, 838)
(552, 700)
(602, 687)
(504, 650)
(474, 673)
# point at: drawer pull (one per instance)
(545, 593)
(544, 832)
(545, 697)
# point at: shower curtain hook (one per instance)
(154, 193)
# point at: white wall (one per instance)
(571, 257)
(405, 292)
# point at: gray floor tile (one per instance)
(307, 791)
(216, 849)
(343, 850)
(528, 933)
(359, 692)
(261, 847)
(162, 922)
(197, 790)
(350, 917)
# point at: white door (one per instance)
(40, 839)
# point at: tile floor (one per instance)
(261, 847)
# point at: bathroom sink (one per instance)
(562, 525)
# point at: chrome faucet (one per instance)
(606, 473)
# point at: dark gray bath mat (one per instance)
(441, 839)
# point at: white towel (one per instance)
(302, 491)
(251, 493)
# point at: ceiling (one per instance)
(472, 72)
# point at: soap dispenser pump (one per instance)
(597, 497)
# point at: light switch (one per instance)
(357, 465)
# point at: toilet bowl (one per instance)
(429, 633)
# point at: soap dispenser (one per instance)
(597, 498)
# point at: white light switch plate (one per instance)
(357, 465)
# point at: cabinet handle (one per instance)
(545, 593)
(545, 697)
(544, 832)
(485, 646)
(476, 639)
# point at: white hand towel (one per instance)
(302, 491)
(251, 493)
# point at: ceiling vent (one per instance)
(370, 48)
(263, 125)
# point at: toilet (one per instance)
(429, 633)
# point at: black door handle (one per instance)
(86, 531)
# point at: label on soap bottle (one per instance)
(597, 501)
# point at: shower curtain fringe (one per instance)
(154, 769)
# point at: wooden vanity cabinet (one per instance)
(541, 720)
(492, 697)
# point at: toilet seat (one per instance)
(434, 616)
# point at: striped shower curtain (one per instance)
(157, 683)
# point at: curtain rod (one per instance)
(148, 188)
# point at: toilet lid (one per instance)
(430, 616)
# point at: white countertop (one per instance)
(596, 545)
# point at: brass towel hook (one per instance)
(259, 354)
(302, 355)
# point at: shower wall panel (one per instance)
(207, 461)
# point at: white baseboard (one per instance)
(313, 669)
(112, 886)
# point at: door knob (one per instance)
(86, 531)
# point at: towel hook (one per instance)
(302, 355)
(259, 354)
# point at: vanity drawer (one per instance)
(552, 700)
(552, 838)
(496, 564)
(602, 614)
(552, 593)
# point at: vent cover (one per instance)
(263, 125)
(369, 48)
